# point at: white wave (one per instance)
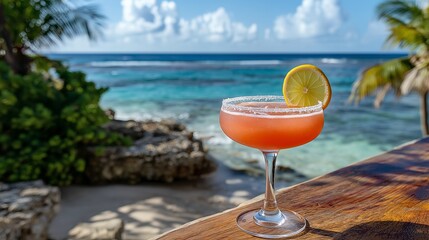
(255, 62)
(333, 60)
(133, 63)
(180, 63)
(130, 114)
(219, 140)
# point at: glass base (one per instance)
(285, 224)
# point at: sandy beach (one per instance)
(150, 209)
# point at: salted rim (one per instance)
(230, 104)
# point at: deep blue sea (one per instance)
(190, 88)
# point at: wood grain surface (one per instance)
(385, 197)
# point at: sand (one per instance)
(150, 209)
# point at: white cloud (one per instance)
(312, 18)
(217, 26)
(146, 17)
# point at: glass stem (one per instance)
(270, 202)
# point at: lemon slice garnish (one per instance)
(306, 85)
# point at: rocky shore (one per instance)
(26, 210)
(161, 151)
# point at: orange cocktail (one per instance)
(268, 124)
(272, 130)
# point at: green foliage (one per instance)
(36, 23)
(46, 125)
(390, 73)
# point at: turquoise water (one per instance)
(189, 88)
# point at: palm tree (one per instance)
(27, 25)
(409, 28)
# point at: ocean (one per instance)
(190, 88)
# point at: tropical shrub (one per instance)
(46, 124)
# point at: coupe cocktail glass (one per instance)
(268, 124)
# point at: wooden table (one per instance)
(384, 197)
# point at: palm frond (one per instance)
(402, 9)
(367, 83)
(61, 20)
(407, 36)
(377, 77)
(408, 23)
(379, 97)
(417, 79)
(394, 21)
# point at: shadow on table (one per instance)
(379, 230)
(408, 165)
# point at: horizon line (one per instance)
(238, 53)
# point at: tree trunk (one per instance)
(14, 57)
(424, 113)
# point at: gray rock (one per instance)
(110, 113)
(3, 187)
(111, 229)
(162, 151)
(26, 209)
(41, 192)
(23, 204)
(8, 230)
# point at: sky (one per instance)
(236, 26)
